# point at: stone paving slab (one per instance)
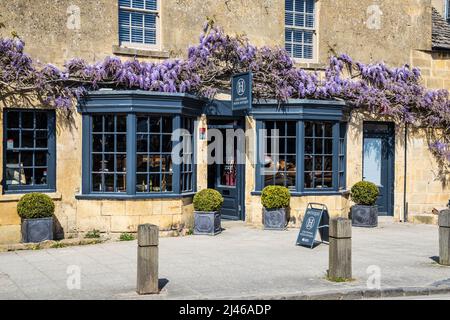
(242, 262)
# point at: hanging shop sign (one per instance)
(316, 220)
(242, 85)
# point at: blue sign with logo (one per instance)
(242, 86)
(316, 218)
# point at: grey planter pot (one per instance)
(37, 230)
(365, 216)
(275, 219)
(207, 223)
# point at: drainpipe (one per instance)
(405, 204)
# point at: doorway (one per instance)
(378, 162)
(227, 176)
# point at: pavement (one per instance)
(241, 263)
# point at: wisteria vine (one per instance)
(376, 88)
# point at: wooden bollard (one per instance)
(444, 237)
(147, 264)
(340, 256)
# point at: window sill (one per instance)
(132, 197)
(311, 65)
(311, 193)
(14, 196)
(140, 52)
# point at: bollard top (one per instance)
(148, 235)
(340, 228)
(444, 218)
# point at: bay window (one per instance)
(129, 140)
(301, 146)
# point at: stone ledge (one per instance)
(50, 244)
(16, 197)
(355, 294)
(146, 53)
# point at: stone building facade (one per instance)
(396, 32)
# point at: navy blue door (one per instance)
(378, 162)
(227, 176)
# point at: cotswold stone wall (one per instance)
(368, 30)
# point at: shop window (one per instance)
(187, 167)
(138, 22)
(109, 153)
(300, 28)
(304, 156)
(280, 158)
(318, 155)
(131, 155)
(30, 149)
(154, 166)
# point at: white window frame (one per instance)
(315, 31)
(137, 45)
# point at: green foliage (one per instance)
(126, 237)
(58, 245)
(365, 193)
(35, 206)
(94, 234)
(275, 197)
(208, 200)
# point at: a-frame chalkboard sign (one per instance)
(316, 219)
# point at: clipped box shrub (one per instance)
(35, 206)
(208, 200)
(365, 193)
(275, 197)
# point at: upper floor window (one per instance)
(300, 24)
(138, 22)
(30, 149)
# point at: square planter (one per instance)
(207, 223)
(275, 219)
(365, 216)
(37, 230)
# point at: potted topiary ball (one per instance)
(207, 217)
(275, 200)
(36, 211)
(365, 212)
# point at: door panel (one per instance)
(378, 163)
(227, 178)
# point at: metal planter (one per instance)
(37, 230)
(275, 219)
(207, 223)
(365, 216)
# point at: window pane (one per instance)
(121, 183)
(13, 139)
(41, 139)
(141, 183)
(12, 157)
(41, 120)
(98, 164)
(97, 143)
(142, 124)
(27, 120)
(40, 176)
(109, 182)
(155, 183)
(155, 164)
(121, 163)
(155, 143)
(97, 124)
(28, 176)
(109, 123)
(40, 159)
(97, 183)
(155, 125)
(13, 119)
(109, 163)
(109, 143)
(142, 142)
(121, 143)
(26, 158)
(121, 124)
(142, 163)
(27, 139)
